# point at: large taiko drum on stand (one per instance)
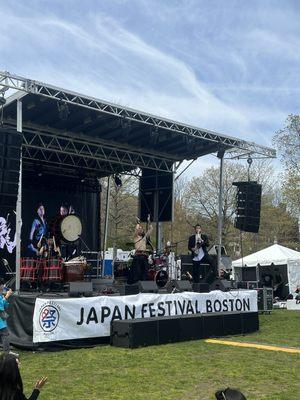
(70, 228)
(67, 229)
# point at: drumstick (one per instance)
(189, 275)
(56, 249)
(39, 242)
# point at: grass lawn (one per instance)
(189, 370)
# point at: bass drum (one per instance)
(70, 228)
(159, 276)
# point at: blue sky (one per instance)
(230, 66)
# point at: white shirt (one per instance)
(200, 254)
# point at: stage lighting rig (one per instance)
(118, 181)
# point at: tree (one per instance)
(122, 212)
(203, 191)
(287, 141)
(178, 231)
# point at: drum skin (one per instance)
(71, 228)
(159, 276)
(66, 228)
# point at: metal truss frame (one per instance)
(235, 146)
(73, 152)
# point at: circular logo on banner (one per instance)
(49, 317)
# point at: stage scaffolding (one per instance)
(69, 133)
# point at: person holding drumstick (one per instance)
(140, 266)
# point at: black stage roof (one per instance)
(75, 134)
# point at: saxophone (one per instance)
(198, 243)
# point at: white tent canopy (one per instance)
(275, 255)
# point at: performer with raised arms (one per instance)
(140, 266)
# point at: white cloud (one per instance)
(218, 68)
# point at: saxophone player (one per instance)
(198, 244)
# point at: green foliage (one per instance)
(287, 141)
(189, 370)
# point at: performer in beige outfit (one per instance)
(140, 266)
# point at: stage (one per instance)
(57, 147)
(53, 321)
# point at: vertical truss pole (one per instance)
(106, 224)
(220, 214)
(19, 204)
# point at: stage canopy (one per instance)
(76, 135)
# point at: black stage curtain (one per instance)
(80, 198)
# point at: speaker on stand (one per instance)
(248, 204)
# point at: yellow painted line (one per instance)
(253, 345)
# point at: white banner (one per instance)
(88, 317)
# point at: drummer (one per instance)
(140, 266)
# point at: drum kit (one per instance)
(159, 268)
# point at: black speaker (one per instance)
(212, 325)
(125, 289)
(159, 330)
(250, 322)
(248, 203)
(186, 259)
(232, 324)
(180, 286)
(241, 285)
(168, 330)
(201, 287)
(249, 274)
(221, 284)
(148, 287)
(186, 265)
(131, 289)
(77, 289)
(134, 333)
(191, 327)
(156, 195)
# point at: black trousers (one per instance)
(139, 269)
(200, 270)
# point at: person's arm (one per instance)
(34, 395)
(33, 228)
(5, 300)
(137, 227)
(205, 242)
(150, 227)
(191, 245)
(149, 231)
(36, 391)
